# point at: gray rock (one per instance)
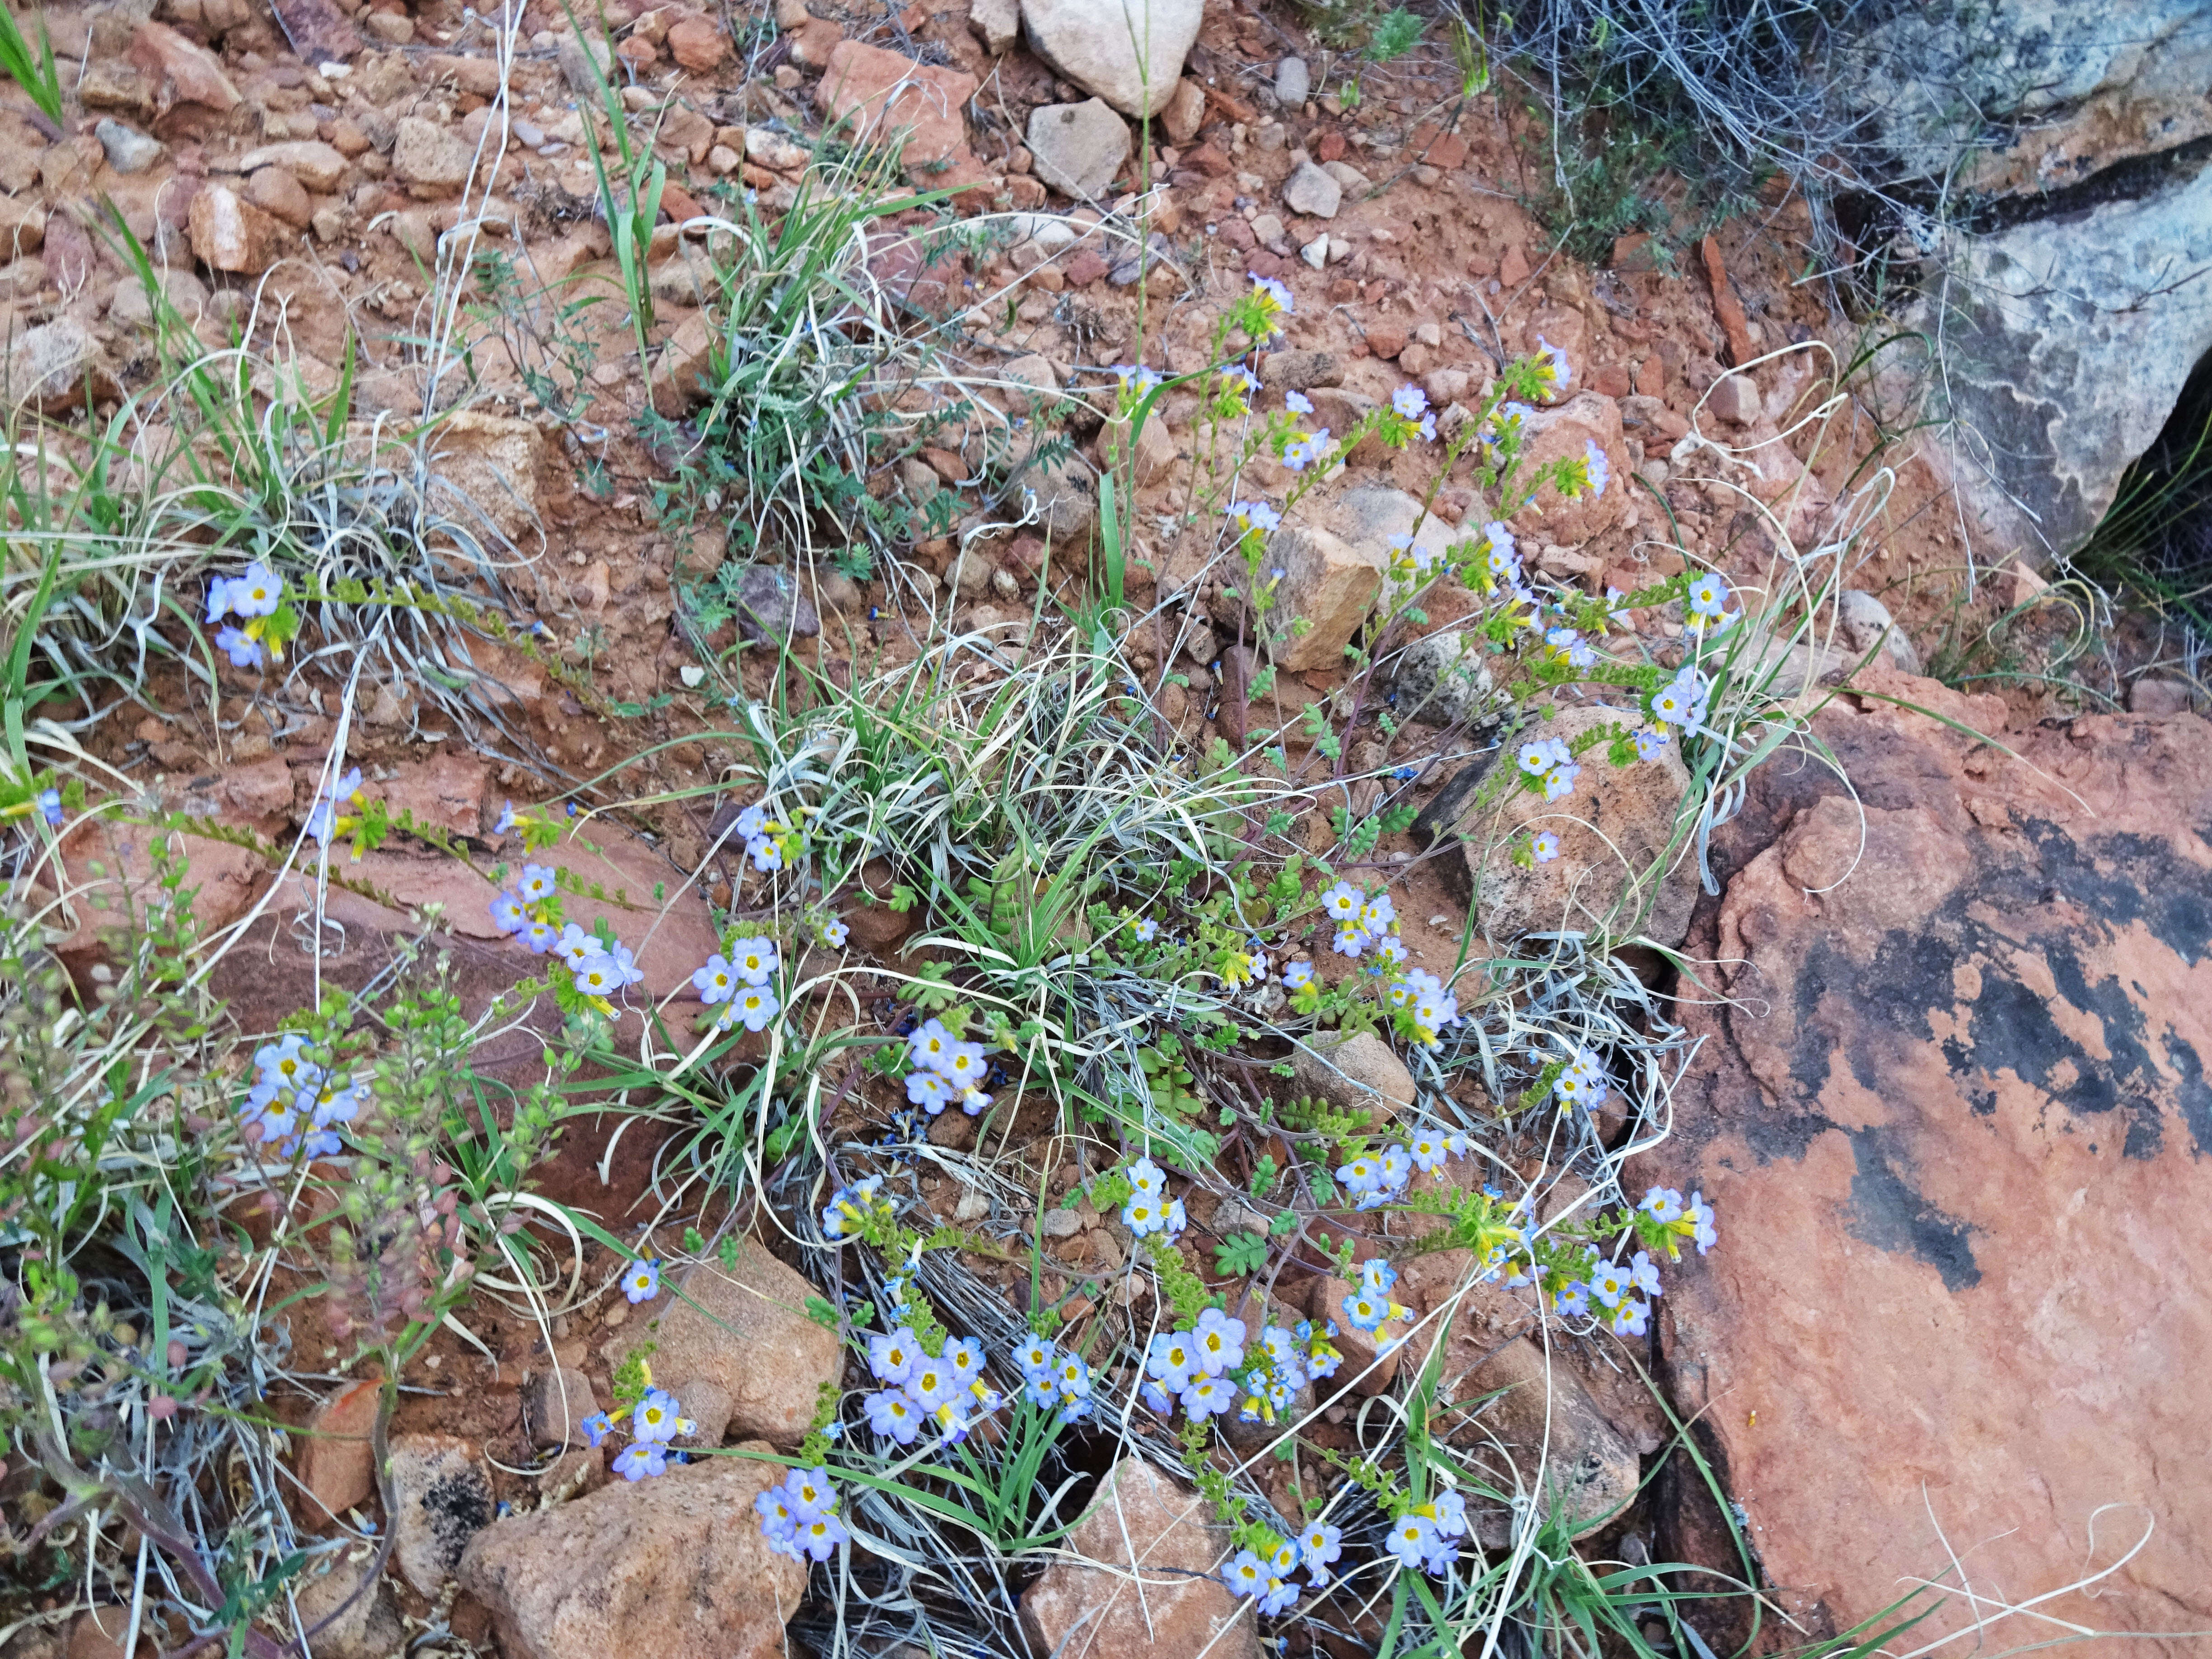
(1356, 1073)
(835, 591)
(1066, 492)
(577, 55)
(770, 607)
(1269, 228)
(1233, 1215)
(1368, 517)
(1185, 113)
(997, 23)
(2158, 695)
(131, 304)
(1077, 149)
(1734, 399)
(52, 366)
(1294, 82)
(1139, 1574)
(2072, 86)
(1311, 191)
(445, 1500)
(1348, 176)
(128, 150)
(1300, 371)
(2069, 343)
(1861, 620)
(1130, 53)
(1327, 584)
(1441, 679)
(709, 1405)
(918, 481)
(1037, 372)
(430, 157)
(745, 1331)
(2073, 339)
(1061, 1223)
(555, 1403)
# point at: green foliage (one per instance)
(1240, 1255)
(1309, 1116)
(1183, 1290)
(35, 72)
(1394, 34)
(783, 450)
(633, 1378)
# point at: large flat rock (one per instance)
(1956, 1123)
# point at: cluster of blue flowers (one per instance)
(1135, 377)
(1052, 1379)
(764, 838)
(1413, 403)
(1664, 1205)
(1428, 1538)
(1432, 1007)
(1376, 1178)
(655, 1421)
(947, 1390)
(1362, 922)
(1548, 761)
(1684, 700)
(1254, 515)
(1279, 1366)
(1582, 1083)
(739, 983)
(252, 598)
(798, 1515)
(850, 1207)
(1612, 1286)
(1370, 1306)
(1313, 447)
(293, 1104)
(1195, 1366)
(1269, 1580)
(1150, 1209)
(946, 1069)
(1611, 1291)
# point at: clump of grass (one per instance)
(2156, 540)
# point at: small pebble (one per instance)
(614, 1316)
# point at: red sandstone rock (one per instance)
(333, 1462)
(1955, 1124)
(697, 44)
(182, 73)
(878, 94)
(1563, 432)
(675, 1567)
(1159, 1598)
(1726, 306)
(746, 1330)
